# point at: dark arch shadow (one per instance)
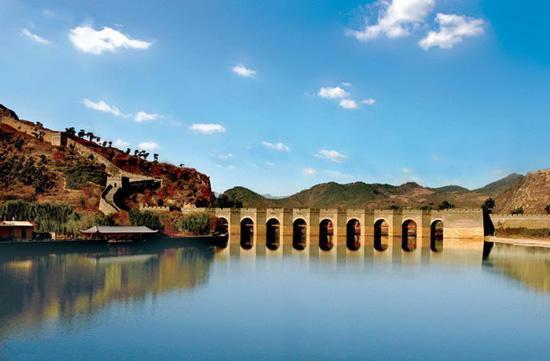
(247, 233)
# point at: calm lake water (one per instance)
(190, 302)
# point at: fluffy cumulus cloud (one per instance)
(207, 128)
(309, 171)
(280, 147)
(148, 146)
(90, 40)
(225, 156)
(243, 71)
(102, 106)
(36, 38)
(332, 93)
(348, 104)
(395, 19)
(452, 29)
(332, 155)
(146, 117)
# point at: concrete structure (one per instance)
(318, 231)
(16, 230)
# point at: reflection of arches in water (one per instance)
(326, 233)
(436, 236)
(299, 234)
(408, 235)
(353, 235)
(381, 235)
(273, 234)
(247, 233)
(222, 230)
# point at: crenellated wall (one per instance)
(460, 226)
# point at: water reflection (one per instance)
(39, 284)
(530, 266)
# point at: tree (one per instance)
(128, 150)
(156, 157)
(446, 205)
(81, 133)
(110, 144)
(70, 131)
(488, 205)
(547, 209)
(517, 211)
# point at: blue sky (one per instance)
(281, 95)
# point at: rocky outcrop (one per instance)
(532, 194)
(6, 112)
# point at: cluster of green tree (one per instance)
(224, 201)
(197, 223)
(146, 218)
(443, 205)
(26, 170)
(83, 172)
(58, 218)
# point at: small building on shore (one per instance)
(118, 233)
(16, 230)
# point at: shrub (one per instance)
(446, 205)
(196, 223)
(57, 218)
(146, 218)
(517, 211)
(83, 172)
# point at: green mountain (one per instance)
(493, 189)
(364, 195)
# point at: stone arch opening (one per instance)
(299, 234)
(326, 235)
(381, 235)
(273, 234)
(408, 235)
(353, 234)
(436, 236)
(247, 233)
(221, 230)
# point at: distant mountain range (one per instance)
(532, 192)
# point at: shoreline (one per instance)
(522, 242)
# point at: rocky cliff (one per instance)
(45, 165)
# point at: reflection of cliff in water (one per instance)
(39, 285)
(530, 266)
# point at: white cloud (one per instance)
(332, 155)
(406, 170)
(145, 117)
(242, 70)
(369, 101)
(452, 29)
(89, 40)
(345, 84)
(119, 143)
(207, 128)
(37, 39)
(48, 13)
(332, 93)
(348, 104)
(396, 18)
(225, 156)
(280, 147)
(309, 171)
(148, 146)
(102, 106)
